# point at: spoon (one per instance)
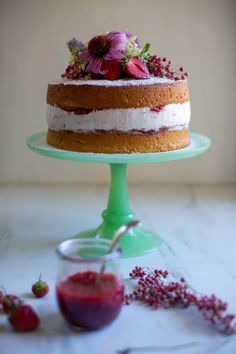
(118, 234)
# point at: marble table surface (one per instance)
(198, 225)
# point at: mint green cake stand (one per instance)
(137, 241)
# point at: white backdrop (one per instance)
(200, 35)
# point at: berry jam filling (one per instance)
(156, 109)
(81, 111)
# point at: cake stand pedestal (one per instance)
(137, 241)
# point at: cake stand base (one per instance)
(136, 241)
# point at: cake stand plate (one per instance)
(137, 241)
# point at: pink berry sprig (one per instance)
(72, 73)
(162, 67)
(156, 290)
(40, 288)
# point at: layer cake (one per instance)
(122, 115)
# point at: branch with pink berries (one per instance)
(117, 55)
(154, 288)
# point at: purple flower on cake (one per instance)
(74, 44)
(104, 47)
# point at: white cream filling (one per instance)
(171, 116)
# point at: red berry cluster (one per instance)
(72, 73)
(161, 67)
(154, 289)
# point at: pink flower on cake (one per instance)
(104, 47)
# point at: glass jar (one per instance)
(89, 287)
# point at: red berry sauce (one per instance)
(90, 304)
(156, 109)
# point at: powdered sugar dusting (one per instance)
(121, 82)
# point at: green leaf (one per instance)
(145, 50)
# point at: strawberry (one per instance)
(137, 69)
(1, 296)
(23, 318)
(111, 69)
(10, 301)
(40, 288)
